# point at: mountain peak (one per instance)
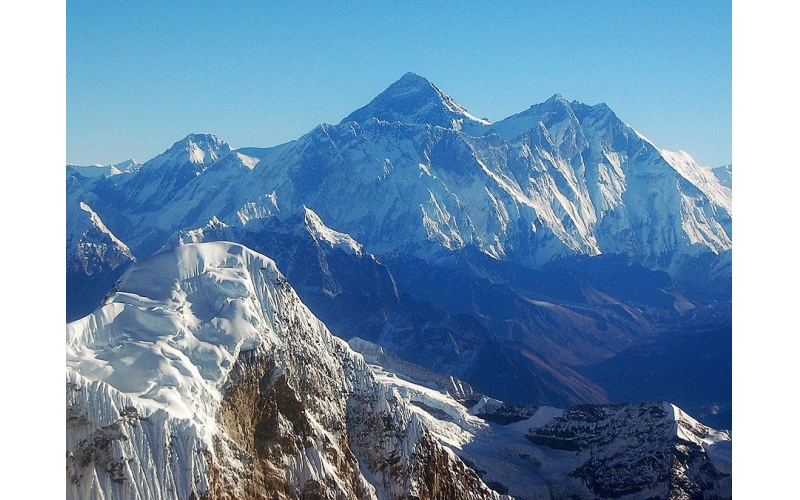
(199, 149)
(413, 99)
(413, 78)
(557, 98)
(203, 142)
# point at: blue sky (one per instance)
(142, 75)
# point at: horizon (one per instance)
(140, 79)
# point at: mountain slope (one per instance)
(357, 295)
(204, 376)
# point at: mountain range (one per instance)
(542, 261)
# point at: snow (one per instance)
(165, 341)
(320, 232)
(506, 456)
(92, 171)
(197, 149)
(96, 222)
(196, 155)
(249, 161)
(717, 444)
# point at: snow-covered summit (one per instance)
(414, 100)
(556, 113)
(198, 149)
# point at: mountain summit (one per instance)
(414, 100)
(197, 149)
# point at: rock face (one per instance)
(203, 375)
(649, 451)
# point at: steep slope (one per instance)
(204, 376)
(632, 197)
(161, 177)
(91, 247)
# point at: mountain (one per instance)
(203, 375)
(512, 255)
(725, 175)
(160, 177)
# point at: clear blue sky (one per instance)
(142, 75)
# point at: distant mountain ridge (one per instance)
(556, 180)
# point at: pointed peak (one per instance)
(322, 233)
(558, 100)
(413, 99)
(202, 140)
(199, 149)
(412, 78)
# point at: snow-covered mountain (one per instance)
(91, 247)
(519, 255)
(414, 100)
(356, 295)
(203, 375)
(125, 167)
(406, 174)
